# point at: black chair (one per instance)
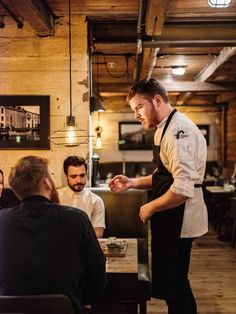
(122, 221)
(36, 304)
(229, 222)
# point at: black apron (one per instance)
(165, 228)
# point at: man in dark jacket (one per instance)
(44, 247)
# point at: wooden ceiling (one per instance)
(134, 39)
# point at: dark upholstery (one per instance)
(36, 304)
(122, 221)
(9, 197)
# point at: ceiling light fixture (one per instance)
(178, 70)
(219, 3)
(70, 135)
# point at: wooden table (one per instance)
(122, 276)
(123, 267)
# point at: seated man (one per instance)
(47, 248)
(75, 194)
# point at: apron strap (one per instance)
(167, 122)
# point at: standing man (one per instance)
(177, 212)
(75, 194)
(47, 248)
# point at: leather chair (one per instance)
(36, 304)
(122, 221)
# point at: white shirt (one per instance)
(87, 201)
(183, 153)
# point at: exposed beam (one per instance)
(155, 17)
(189, 43)
(225, 54)
(37, 14)
(171, 87)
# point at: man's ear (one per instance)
(47, 184)
(157, 101)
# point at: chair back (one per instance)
(232, 210)
(36, 304)
(122, 217)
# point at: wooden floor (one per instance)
(212, 276)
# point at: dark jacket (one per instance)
(46, 248)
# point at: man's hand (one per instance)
(146, 211)
(120, 183)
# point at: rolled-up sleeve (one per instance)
(182, 160)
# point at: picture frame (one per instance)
(24, 122)
(133, 136)
(205, 129)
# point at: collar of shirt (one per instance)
(73, 194)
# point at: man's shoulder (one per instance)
(92, 195)
(70, 211)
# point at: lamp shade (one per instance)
(96, 104)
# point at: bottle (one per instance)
(95, 172)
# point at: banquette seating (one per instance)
(122, 221)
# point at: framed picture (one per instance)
(133, 136)
(205, 129)
(24, 122)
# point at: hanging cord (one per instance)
(70, 58)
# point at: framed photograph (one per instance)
(133, 136)
(205, 129)
(24, 122)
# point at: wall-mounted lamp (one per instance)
(219, 3)
(70, 135)
(178, 70)
(98, 141)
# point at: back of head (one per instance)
(75, 161)
(148, 88)
(26, 176)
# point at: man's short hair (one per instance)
(26, 176)
(148, 88)
(75, 161)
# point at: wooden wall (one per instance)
(30, 65)
(231, 136)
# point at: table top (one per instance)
(124, 267)
(218, 189)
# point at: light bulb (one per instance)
(98, 143)
(70, 136)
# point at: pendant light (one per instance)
(70, 135)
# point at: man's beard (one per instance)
(55, 196)
(76, 187)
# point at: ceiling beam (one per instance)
(225, 54)
(155, 16)
(37, 14)
(189, 43)
(170, 87)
